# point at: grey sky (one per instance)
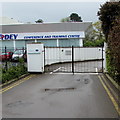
(50, 11)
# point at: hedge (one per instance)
(13, 72)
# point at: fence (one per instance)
(73, 59)
(61, 54)
(53, 55)
(6, 59)
(10, 49)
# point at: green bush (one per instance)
(114, 50)
(111, 68)
(93, 43)
(13, 72)
(0, 74)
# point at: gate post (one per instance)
(73, 60)
(6, 66)
(102, 60)
(44, 58)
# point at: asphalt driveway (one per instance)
(58, 96)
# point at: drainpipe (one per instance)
(57, 42)
(35, 41)
(14, 45)
(81, 42)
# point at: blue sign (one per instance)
(8, 36)
(51, 36)
(13, 36)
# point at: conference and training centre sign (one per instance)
(41, 35)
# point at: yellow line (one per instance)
(114, 83)
(0, 85)
(7, 88)
(109, 87)
(110, 95)
(15, 84)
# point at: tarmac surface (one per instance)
(58, 95)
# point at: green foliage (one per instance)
(95, 43)
(96, 37)
(0, 74)
(111, 68)
(114, 50)
(107, 14)
(39, 21)
(96, 33)
(13, 72)
(67, 19)
(75, 18)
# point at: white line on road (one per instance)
(60, 73)
(56, 70)
(96, 69)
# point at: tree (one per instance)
(97, 31)
(72, 18)
(67, 19)
(39, 21)
(114, 50)
(75, 18)
(96, 37)
(107, 15)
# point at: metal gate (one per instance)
(73, 59)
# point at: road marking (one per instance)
(114, 83)
(110, 95)
(68, 73)
(96, 70)
(11, 81)
(116, 96)
(15, 84)
(56, 70)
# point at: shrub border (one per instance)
(13, 80)
(113, 81)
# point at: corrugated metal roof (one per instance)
(46, 27)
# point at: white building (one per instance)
(50, 34)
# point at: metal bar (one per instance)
(23, 52)
(73, 60)
(102, 59)
(5, 58)
(44, 59)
